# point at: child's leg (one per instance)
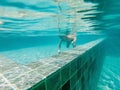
(74, 42)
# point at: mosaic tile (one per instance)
(34, 65)
(73, 67)
(73, 81)
(2, 80)
(15, 72)
(64, 56)
(65, 73)
(47, 69)
(58, 63)
(39, 86)
(6, 64)
(6, 87)
(53, 82)
(27, 80)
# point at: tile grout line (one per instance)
(7, 81)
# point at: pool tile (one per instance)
(73, 67)
(6, 64)
(2, 80)
(15, 72)
(64, 56)
(58, 62)
(65, 73)
(6, 87)
(34, 65)
(73, 81)
(53, 81)
(47, 69)
(27, 80)
(39, 86)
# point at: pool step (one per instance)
(14, 76)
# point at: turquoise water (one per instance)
(30, 49)
(29, 30)
(110, 77)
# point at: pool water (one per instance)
(29, 31)
(110, 76)
(31, 54)
(23, 52)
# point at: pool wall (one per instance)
(76, 69)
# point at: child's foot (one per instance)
(74, 44)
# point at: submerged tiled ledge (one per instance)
(59, 72)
